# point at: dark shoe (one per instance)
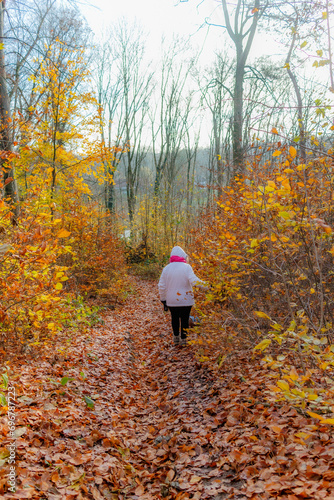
(176, 340)
(183, 342)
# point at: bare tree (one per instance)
(109, 94)
(217, 97)
(246, 16)
(170, 117)
(296, 18)
(125, 89)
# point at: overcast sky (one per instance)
(158, 17)
(165, 17)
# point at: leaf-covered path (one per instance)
(123, 414)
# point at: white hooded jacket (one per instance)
(176, 282)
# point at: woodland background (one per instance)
(108, 160)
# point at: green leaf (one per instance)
(5, 380)
(89, 402)
(3, 400)
(64, 380)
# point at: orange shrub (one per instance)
(267, 248)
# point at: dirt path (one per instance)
(123, 414)
(174, 437)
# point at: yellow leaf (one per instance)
(303, 435)
(328, 421)
(282, 384)
(312, 397)
(315, 415)
(292, 151)
(58, 286)
(263, 345)
(51, 326)
(277, 152)
(273, 237)
(269, 189)
(63, 233)
(285, 215)
(324, 15)
(312, 290)
(303, 44)
(293, 374)
(287, 66)
(299, 393)
(254, 243)
(261, 314)
(274, 130)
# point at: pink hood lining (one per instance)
(176, 258)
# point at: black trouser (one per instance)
(180, 313)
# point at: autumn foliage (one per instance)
(268, 250)
(62, 248)
(112, 409)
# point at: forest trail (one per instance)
(123, 414)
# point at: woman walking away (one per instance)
(176, 292)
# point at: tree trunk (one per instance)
(6, 139)
(238, 150)
(240, 34)
(302, 139)
(110, 201)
